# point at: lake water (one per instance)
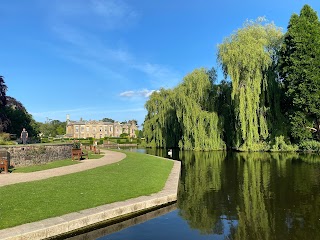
(228, 195)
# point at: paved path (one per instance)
(108, 158)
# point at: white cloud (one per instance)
(143, 93)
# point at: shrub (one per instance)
(5, 139)
(76, 145)
(281, 145)
(309, 145)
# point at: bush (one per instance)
(5, 139)
(281, 145)
(309, 145)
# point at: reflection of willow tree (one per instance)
(299, 199)
(283, 161)
(255, 222)
(200, 182)
(279, 196)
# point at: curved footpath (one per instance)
(70, 222)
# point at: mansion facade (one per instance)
(99, 129)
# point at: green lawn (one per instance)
(136, 175)
(55, 164)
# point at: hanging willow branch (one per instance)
(246, 57)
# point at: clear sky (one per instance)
(102, 58)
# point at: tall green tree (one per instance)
(18, 118)
(246, 57)
(3, 101)
(3, 90)
(299, 68)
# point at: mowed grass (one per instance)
(136, 175)
(50, 165)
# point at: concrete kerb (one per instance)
(70, 222)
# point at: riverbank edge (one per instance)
(75, 221)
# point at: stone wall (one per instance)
(34, 154)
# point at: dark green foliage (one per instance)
(309, 145)
(52, 128)
(3, 101)
(107, 120)
(123, 135)
(272, 99)
(14, 116)
(3, 90)
(19, 118)
(223, 106)
(299, 68)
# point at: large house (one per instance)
(99, 129)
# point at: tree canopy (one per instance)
(269, 98)
(299, 69)
(14, 116)
(184, 116)
(246, 57)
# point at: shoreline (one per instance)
(53, 227)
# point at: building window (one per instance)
(77, 128)
(82, 129)
(88, 129)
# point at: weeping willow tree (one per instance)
(183, 117)
(248, 57)
(161, 128)
(201, 129)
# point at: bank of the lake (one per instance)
(81, 199)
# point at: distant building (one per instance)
(99, 129)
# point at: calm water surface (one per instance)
(226, 195)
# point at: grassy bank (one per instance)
(136, 175)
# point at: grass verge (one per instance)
(136, 175)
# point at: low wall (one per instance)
(33, 154)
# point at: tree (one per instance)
(3, 101)
(107, 120)
(247, 57)
(19, 118)
(184, 117)
(299, 69)
(3, 90)
(53, 128)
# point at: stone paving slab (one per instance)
(55, 226)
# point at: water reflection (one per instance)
(228, 195)
(200, 182)
(261, 195)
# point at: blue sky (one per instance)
(102, 58)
